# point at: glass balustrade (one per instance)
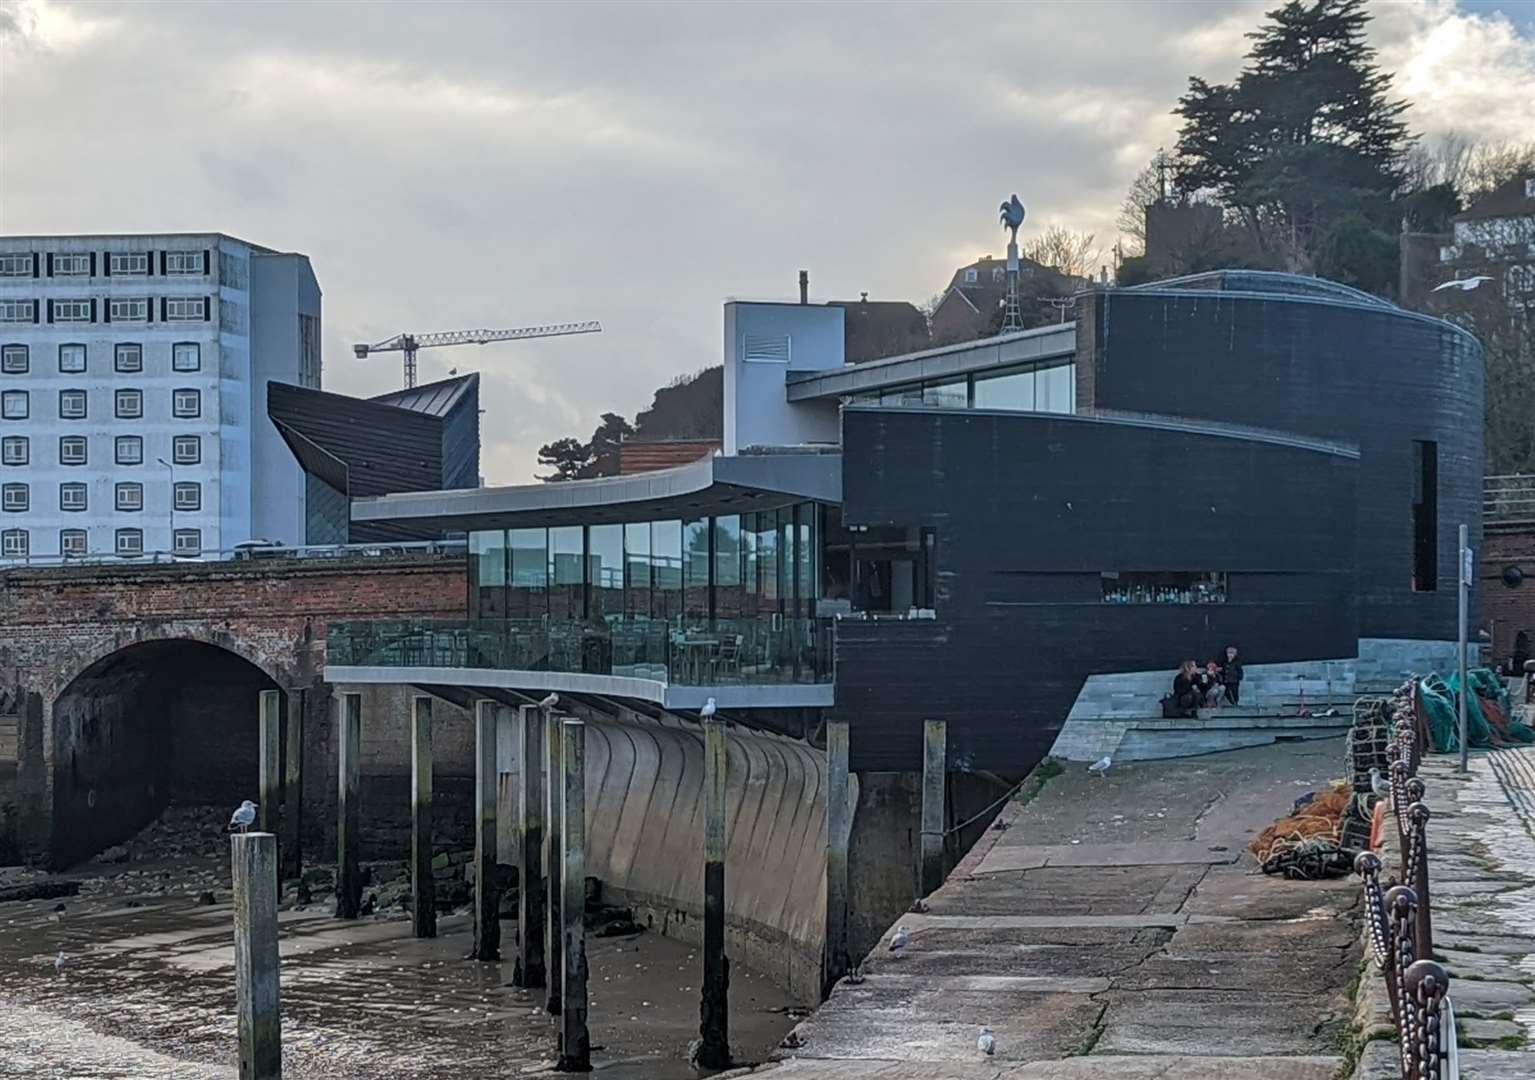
(771, 650)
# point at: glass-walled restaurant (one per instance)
(728, 599)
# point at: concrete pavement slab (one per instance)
(1151, 853)
(1245, 1023)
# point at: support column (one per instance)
(714, 1008)
(529, 969)
(838, 829)
(288, 843)
(423, 886)
(506, 785)
(575, 1041)
(253, 870)
(348, 748)
(268, 734)
(554, 960)
(935, 750)
(487, 925)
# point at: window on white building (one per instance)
(130, 541)
(15, 405)
(972, 275)
(128, 359)
(187, 450)
(129, 310)
(18, 311)
(15, 450)
(71, 359)
(72, 497)
(186, 404)
(72, 542)
(130, 449)
(129, 496)
(71, 265)
(72, 450)
(15, 497)
(188, 541)
(186, 356)
(13, 543)
(72, 405)
(69, 311)
(17, 265)
(15, 359)
(129, 262)
(184, 262)
(186, 309)
(128, 404)
(189, 495)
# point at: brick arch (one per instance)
(197, 632)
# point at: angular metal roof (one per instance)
(435, 398)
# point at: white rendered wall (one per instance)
(283, 289)
(757, 410)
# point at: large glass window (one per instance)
(605, 560)
(695, 553)
(637, 568)
(729, 594)
(953, 394)
(666, 569)
(1014, 390)
(528, 596)
(1055, 389)
(567, 587)
(487, 569)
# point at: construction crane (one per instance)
(409, 343)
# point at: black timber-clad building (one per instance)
(970, 532)
(425, 438)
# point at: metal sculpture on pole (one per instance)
(1012, 217)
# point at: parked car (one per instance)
(258, 549)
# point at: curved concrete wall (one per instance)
(644, 797)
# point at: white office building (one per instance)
(133, 374)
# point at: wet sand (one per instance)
(147, 992)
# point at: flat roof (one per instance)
(966, 357)
(712, 485)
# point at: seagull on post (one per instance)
(1379, 784)
(709, 708)
(1463, 284)
(244, 816)
(549, 702)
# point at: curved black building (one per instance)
(1314, 358)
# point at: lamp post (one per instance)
(1463, 572)
(170, 514)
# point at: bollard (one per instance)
(487, 924)
(554, 961)
(714, 1008)
(528, 972)
(423, 886)
(253, 870)
(348, 747)
(838, 824)
(575, 1040)
(288, 844)
(935, 749)
(269, 779)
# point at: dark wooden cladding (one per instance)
(1030, 509)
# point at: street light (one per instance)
(170, 536)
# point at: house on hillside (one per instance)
(876, 328)
(972, 304)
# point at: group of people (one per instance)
(1196, 687)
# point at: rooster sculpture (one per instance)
(1012, 216)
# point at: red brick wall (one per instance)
(1508, 610)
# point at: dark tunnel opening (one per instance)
(156, 724)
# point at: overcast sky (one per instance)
(458, 165)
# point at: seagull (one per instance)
(1378, 783)
(58, 962)
(919, 906)
(855, 977)
(549, 702)
(1101, 766)
(244, 817)
(1463, 284)
(709, 708)
(987, 1043)
(898, 942)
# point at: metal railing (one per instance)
(244, 552)
(1398, 912)
(773, 650)
(1508, 501)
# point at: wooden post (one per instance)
(288, 842)
(268, 734)
(935, 749)
(714, 1007)
(253, 870)
(838, 827)
(349, 746)
(575, 1041)
(423, 886)
(554, 961)
(506, 785)
(529, 969)
(487, 924)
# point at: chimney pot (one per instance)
(804, 286)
